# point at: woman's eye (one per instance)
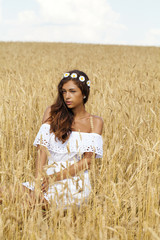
(73, 91)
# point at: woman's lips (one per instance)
(68, 103)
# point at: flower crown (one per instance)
(74, 75)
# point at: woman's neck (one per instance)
(79, 112)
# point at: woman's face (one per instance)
(72, 94)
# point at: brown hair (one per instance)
(61, 116)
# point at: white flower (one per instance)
(66, 75)
(82, 78)
(74, 75)
(88, 83)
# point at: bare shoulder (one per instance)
(97, 124)
(46, 115)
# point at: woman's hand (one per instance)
(45, 183)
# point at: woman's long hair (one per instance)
(61, 117)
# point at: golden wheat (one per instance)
(125, 86)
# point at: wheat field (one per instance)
(125, 92)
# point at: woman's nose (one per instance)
(67, 95)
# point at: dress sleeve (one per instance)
(96, 145)
(99, 147)
(43, 136)
(92, 142)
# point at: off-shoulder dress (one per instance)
(61, 155)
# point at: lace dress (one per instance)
(61, 155)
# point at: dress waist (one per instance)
(60, 166)
(54, 167)
(62, 158)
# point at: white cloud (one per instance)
(153, 37)
(27, 17)
(70, 11)
(81, 21)
(24, 19)
(87, 21)
(0, 11)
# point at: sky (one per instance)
(122, 22)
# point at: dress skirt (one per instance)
(67, 191)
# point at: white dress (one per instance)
(61, 155)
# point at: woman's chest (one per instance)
(81, 126)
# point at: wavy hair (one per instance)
(61, 117)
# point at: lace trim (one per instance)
(78, 142)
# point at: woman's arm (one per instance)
(41, 160)
(46, 114)
(72, 171)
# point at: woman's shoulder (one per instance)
(97, 124)
(46, 115)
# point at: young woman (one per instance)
(68, 139)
